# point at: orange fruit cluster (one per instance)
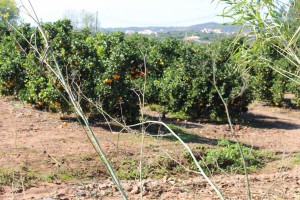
(116, 76)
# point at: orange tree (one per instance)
(77, 60)
(11, 58)
(41, 89)
(187, 86)
(266, 83)
(117, 82)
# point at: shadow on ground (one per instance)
(267, 122)
(181, 128)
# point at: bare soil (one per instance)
(56, 156)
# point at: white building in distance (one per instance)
(147, 32)
(129, 32)
(192, 38)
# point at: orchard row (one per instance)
(116, 71)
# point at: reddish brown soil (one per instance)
(39, 142)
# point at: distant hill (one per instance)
(197, 27)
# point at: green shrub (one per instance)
(268, 84)
(227, 157)
(296, 158)
(128, 169)
(187, 83)
(11, 68)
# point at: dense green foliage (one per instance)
(110, 69)
(269, 85)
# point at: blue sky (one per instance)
(124, 13)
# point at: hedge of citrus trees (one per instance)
(271, 86)
(110, 69)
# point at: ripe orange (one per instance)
(116, 76)
(107, 81)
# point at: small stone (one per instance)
(90, 186)
(62, 192)
(159, 193)
(63, 198)
(81, 188)
(145, 192)
(183, 195)
(128, 188)
(102, 193)
(154, 184)
(17, 190)
(135, 190)
(103, 186)
(115, 188)
(177, 190)
(144, 184)
(81, 194)
(165, 179)
(237, 127)
(47, 198)
(93, 193)
(172, 182)
(57, 182)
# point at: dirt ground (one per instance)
(35, 142)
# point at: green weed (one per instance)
(296, 159)
(228, 158)
(128, 169)
(156, 107)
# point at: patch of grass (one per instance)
(17, 178)
(163, 166)
(65, 176)
(166, 163)
(154, 168)
(156, 107)
(86, 157)
(46, 177)
(179, 115)
(26, 175)
(226, 157)
(128, 169)
(296, 159)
